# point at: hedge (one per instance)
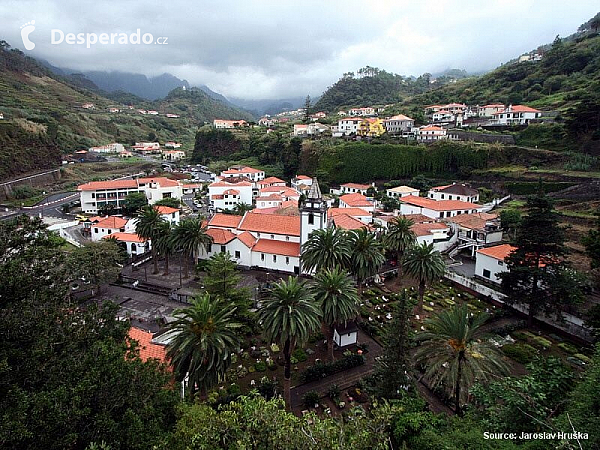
(321, 370)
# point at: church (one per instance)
(268, 240)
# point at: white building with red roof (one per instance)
(301, 183)
(224, 195)
(454, 191)
(516, 115)
(134, 244)
(169, 214)
(356, 201)
(490, 262)
(431, 133)
(348, 126)
(398, 124)
(353, 188)
(107, 226)
(269, 241)
(253, 175)
(356, 213)
(270, 181)
(229, 124)
(98, 194)
(490, 109)
(363, 112)
(402, 191)
(146, 147)
(436, 208)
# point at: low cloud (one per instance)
(274, 49)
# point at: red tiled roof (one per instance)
(247, 239)
(518, 108)
(165, 209)
(499, 252)
(347, 222)
(232, 170)
(425, 229)
(431, 128)
(418, 218)
(473, 221)
(231, 192)
(303, 177)
(162, 181)
(125, 237)
(271, 223)
(272, 197)
(147, 349)
(112, 222)
(438, 205)
(277, 247)
(357, 186)
(398, 117)
(226, 184)
(270, 180)
(220, 236)
(111, 184)
(353, 212)
(225, 221)
(356, 200)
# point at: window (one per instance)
(262, 256)
(95, 230)
(500, 263)
(441, 215)
(272, 236)
(209, 248)
(449, 197)
(311, 219)
(486, 273)
(93, 195)
(166, 195)
(442, 197)
(287, 238)
(223, 249)
(274, 258)
(237, 254)
(287, 260)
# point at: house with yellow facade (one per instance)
(371, 127)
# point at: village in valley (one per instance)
(401, 262)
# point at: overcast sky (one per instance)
(274, 49)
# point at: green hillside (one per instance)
(566, 80)
(39, 106)
(370, 86)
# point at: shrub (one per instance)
(583, 358)
(333, 392)
(522, 353)
(569, 348)
(542, 342)
(234, 389)
(310, 399)
(260, 366)
(322, 370)
(300, 355)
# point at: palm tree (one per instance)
(188, 237)
(425, 264)
(164, 243)
(335, 292)
(204, 338)
(289, 315)
(148, 227)
(454, 354)
(399, 238)
(367, 254)
(325, 249)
